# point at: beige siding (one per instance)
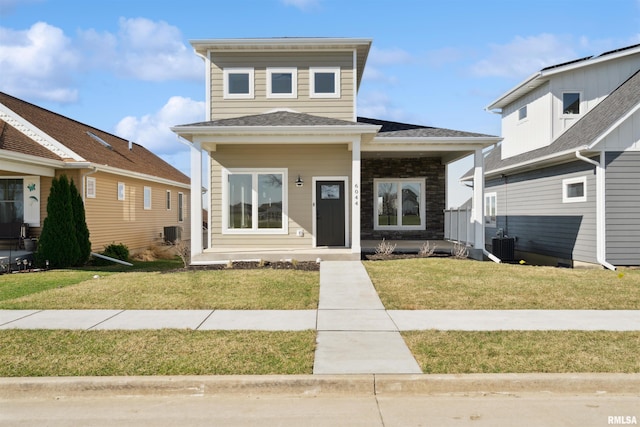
(339, 108)
(307, 160)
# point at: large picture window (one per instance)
(255, 201)
(400, 204)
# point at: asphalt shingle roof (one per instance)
(277, 118)
(74, 135)
(404, 130)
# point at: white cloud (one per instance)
(303, 5)
(152, 130)
(379, 105)
(145, 50)
(38, 63)
(525, 55)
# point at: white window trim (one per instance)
(565, 188)
(423, 208)
(225, 78)
(168, 200)
(580, 105)
(180, 206)
(254, 201)
(490, 223)
(146, 203)
(294, 82)
(312, 82)
(121, 191)
(91, 188)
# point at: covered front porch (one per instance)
(223, 255)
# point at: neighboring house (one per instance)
(565, 181)
(293, 169)
(129, 193)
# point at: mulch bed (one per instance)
(253, 265)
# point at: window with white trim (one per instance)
(147, 197)
(238, 83)
(180, 207)
(324, 82)
(91, 187)
(490, 209)
(400, 204)
(570, 103)
(121, 191)
(255, 201)
(282, 82)
(574, 190)
(168, 200)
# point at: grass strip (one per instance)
(187, 290)
(33, 353)
(461, 352)
(451, 284)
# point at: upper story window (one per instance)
(522, 113)
(238, 83)
(570, 103)
(324, 82)
(91, 187)
(282, 82)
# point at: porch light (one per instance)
(299, 181)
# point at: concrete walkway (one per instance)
(355, 333)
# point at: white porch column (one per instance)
(356, 195)
(196, 199)
(477, 212)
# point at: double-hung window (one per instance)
(324, 82)
(400, 204)
(180, 207)
(490, 209)
(238, 83)
(11, 200)
(282, 82)
(255, 201)
(121, 191)
(147, 197)
(91, 187)
(570, 103)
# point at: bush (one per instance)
(118, 251)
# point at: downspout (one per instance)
(600, 209)
(84, 176)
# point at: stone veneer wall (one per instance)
(435, 175)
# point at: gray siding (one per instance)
(530, 208)
(623, 208)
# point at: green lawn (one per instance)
(36, 353)
(447, 283)
(148, 290)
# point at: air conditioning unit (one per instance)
(504, 248)
(172, 234)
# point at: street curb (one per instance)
(315, 385)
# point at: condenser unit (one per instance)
(172, 234)
(504, 248)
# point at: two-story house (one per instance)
(294, 172)
(565, 181)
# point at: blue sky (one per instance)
(126, 66)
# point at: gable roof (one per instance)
(77, 143)
(583, 135)
(541, 77)
(404, 130)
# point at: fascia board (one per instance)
(138, 175)
(539, 161)
(464, 143)
(499, 102)
(36, 134)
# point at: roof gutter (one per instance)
(600, 209)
